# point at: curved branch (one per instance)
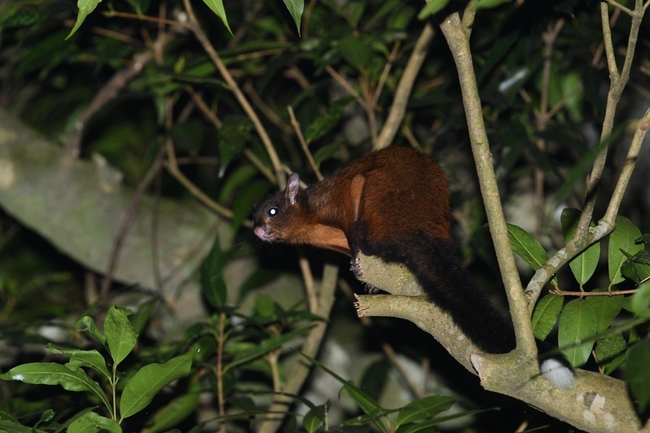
(595, 403)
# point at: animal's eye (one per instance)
(273, 212)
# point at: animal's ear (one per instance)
(293, 186)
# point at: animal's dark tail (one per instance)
(448, 285)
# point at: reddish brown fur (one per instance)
(393, 192)
(393, 204)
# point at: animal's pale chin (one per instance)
(264, 233)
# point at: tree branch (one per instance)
(457, 40)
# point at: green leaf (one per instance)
(138, 5)
(573, 91)
(83, 358)
(10, 426)
(583, 265)
(354, 51)
(528, 248)
(621, 239)
(323, 124)
(489, 4)
(210, 274)
(640, 302)
(237, 177)
(176, 410)
(326, 151)
(368, 404)
(424, 408)
(265, 346)
(314, 418)
(85, 8)
(609, 352)
(295, 8)
(141, 317)
(120, 335)
(638, 374)
(91, 422)
(233, 137)
(431, 8)
(578, 323)
(637, 267)
(264, 306)
(606, 308)
(545, 315)
(50, 373)
(149, 380)
(87, 324)
(218, 9)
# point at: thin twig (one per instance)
(384, 75)
(308, 281)
(172, 168)
(127, 219)
(303, 143)
(108, 92)
(604, 227)
(584, 235)
(404, 88)
(543, 116)
(587, 294)
(195, 27)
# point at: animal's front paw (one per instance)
(355, 267)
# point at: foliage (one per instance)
(208, 83)
(119, 339)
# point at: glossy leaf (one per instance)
(87, 324)
(314, 418)
(578, 323)
(354, 51)
(217, 7)
(326, 151)
(621, 239)
(606, 308)
(637, 267)
(424, 408)
(609, 352)
(212, 283)
(368, 404)
(264, 306)
(50, 373)
(255, 351)
(176, 410)
(120, 335)
(234, 135)
(584, 265)
(91, 422)
(489, 4)
(85, 8)
(638, 374)
(10, 426)
(528, 248)
(640, 302)
(149, 380)
(295, 8)
(84, 358)
(431, 8)
(545, 315)
(324, 124)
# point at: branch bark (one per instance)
(595, 403)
